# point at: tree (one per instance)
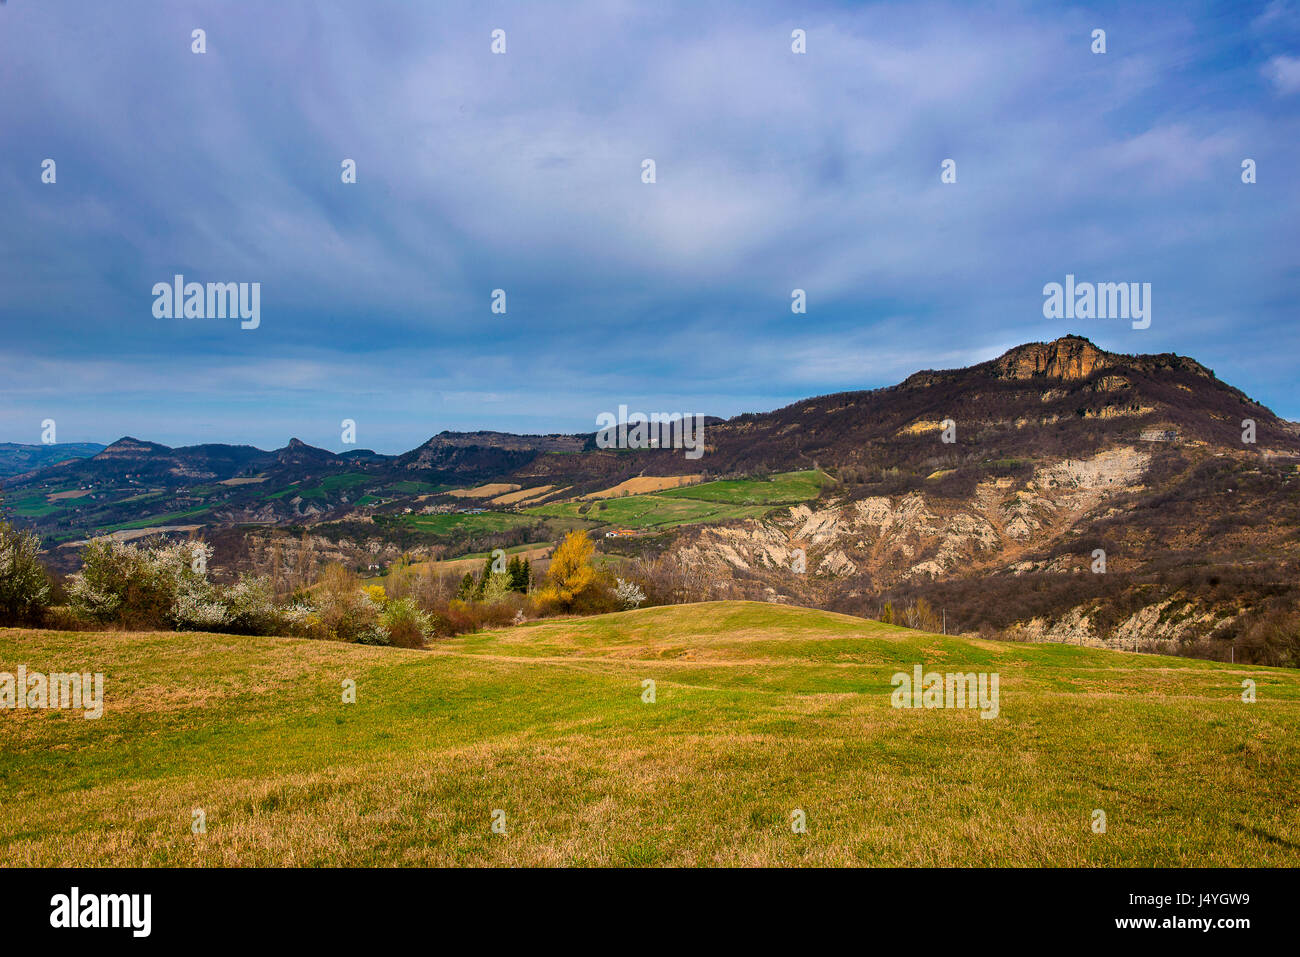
(145, 586)
(519, 574)
(629, 594)
(484, 577)
(405, 623)
(496, 588)
(24, 585)
(467, 587)
(571, 572)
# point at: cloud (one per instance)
(1284, 73)
(475, 172)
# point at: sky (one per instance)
(523, 171)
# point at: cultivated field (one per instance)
(642, 484)
(523, 495)
(484, 491)
(709, 502)
(447, 522)
(649, 511)
(782, 489)
(760, 711)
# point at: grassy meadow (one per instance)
(649, 511)
(784, 488)
(447, 522)
(708, 502)
(760, 710)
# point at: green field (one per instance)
(36, 505)
(512, 550)
(142, 497)
(786, 488)
(170, 518)
(443, 524)
(649, 511)
(761, 711)
(709, 502)
(326, 486)
(401, 488)
(415, 488)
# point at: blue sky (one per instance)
(522, 171)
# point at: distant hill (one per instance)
(17, 459)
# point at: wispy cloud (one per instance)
(522, 172)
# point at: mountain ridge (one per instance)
(1069, 358)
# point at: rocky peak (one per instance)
(1068, 358)
(298, 452)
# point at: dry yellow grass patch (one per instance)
(243, 481)
(916, 428)
(484, 491)
(642, 484)
(523, 495)
(553, 496)
(75, 493)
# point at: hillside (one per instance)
(1061, 451)
(760, 710)
(1038, 403)
(16, 459)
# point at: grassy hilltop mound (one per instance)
(760, 710)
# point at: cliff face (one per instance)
(1003, 525)
(1068, 358)
(1197, 548)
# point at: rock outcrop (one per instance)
(1068, 358)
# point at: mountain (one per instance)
(987, 491)
(17, 459)
(1062, 398)
(1041, 400)
(299, 453)
(1038, 401)
(468, 456)
(128, 448)
(1088, 496)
